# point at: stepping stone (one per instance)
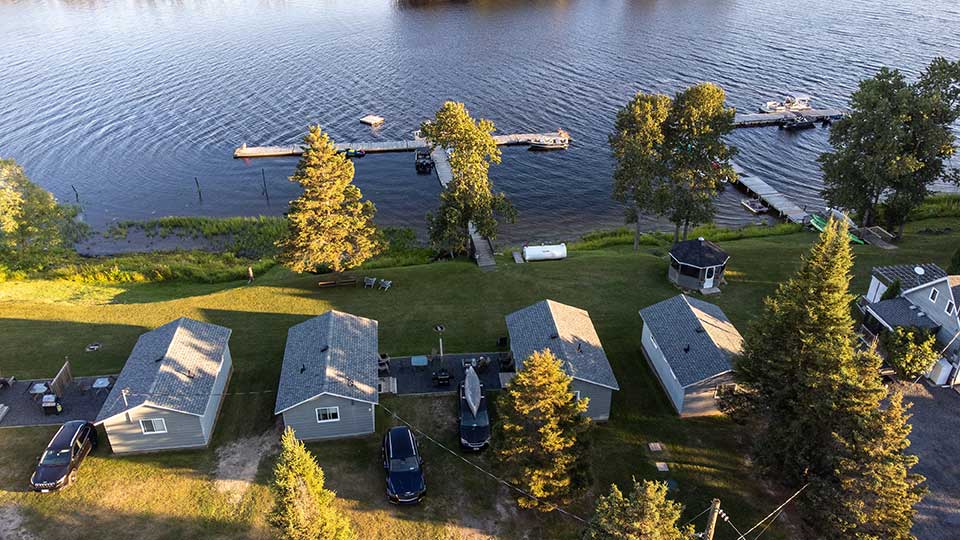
(655, 447)
(662, 467)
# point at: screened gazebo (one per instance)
(697, 265)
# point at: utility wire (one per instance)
(775, 510)
(769, 523)
(691, 520)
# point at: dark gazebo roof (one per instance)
(701, 253)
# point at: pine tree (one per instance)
(469, 198)
(329, 225)
(644, 514)
(540, 422)
(815, 402)
(303, 508)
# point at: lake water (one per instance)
(128, 102)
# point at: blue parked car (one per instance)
(403, 466)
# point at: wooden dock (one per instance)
(776, 201)
(482, 249)
(441, 164)
(376, 147)
(772, 119)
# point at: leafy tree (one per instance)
(893, 291)
(671, 157)
(895, 143)
(815, 402)
(329, 225)
(540, 422)
(911, 352)
(35, 230)
(643, 514)
(698, 157)
(638, 144)
(303, 508)
(469, 198)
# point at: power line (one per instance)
(691, 520)
(726, 520)
(775, 510)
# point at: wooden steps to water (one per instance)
(773, 119)
(482, 249)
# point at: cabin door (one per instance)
(708, 278)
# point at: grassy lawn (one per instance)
(172, 495)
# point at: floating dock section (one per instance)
(375, 147)
(774, 119)
(776, 201)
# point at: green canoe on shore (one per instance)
(819, 222)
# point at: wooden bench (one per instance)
(340, 282)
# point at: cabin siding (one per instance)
(125, 435)
(936, 310)
(699, 399)
(662, 369)
(356, 418)
(209, 417)
(598, 409)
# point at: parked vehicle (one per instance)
(474, 418)
(403, 466)
(57, 467)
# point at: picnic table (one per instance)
(38, 389)
(419, 361)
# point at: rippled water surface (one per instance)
(128, 102)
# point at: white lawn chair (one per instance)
(369, 282)
(384, 284)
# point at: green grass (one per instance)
(624, 235)
(170, 495)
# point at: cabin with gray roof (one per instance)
(569, 334)
(169, 393)
(690, 344)
(926, 301)
(328, 381)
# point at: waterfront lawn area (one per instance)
(174, 495)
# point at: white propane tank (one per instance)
(545, 253)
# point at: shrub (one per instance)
(194, 266)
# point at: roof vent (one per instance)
(579, 347)
(686, 348)
(913, 306)
(325, 349)
(159, 359)
(554, 336)
(700, 239)
(303, 367)
(921, 314)
(700, 330)
(919, 270)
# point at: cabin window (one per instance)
(934, 294)
(328, 414)
(576, 395)
(950, 307)
(710, 272)
(151, 426)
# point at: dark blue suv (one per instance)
(57, 467)
(404, 467)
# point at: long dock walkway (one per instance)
(772, 119)
(775, 200)
(376, 147)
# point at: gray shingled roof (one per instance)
(701, 253)
(171, 367)
(899, 312)
(696, 338)
(335, 353)
(569, 334)
(908, 275)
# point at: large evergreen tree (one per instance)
(645, 513)
(303, 508)
(35, 230)
(329, 225)
(671, 156)
(895, 143)
(540, 422)
(469, 198)
(815, 403)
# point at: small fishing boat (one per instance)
(799, 102)
(423, 161)
(797, 122)
(754, 205)
(550, 143)
(354, 153)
